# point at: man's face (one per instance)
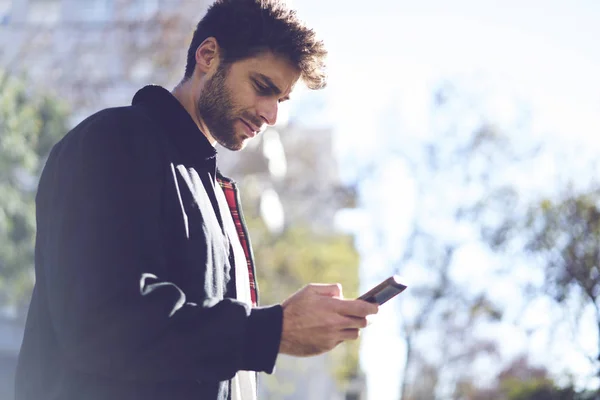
(239, 100)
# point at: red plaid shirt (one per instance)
(233, 201)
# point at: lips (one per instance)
(252, 131)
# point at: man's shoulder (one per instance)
(111, 131)
(115, 119)
(116, 124)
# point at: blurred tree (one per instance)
(454, 175)
(520, 381)
(563, 235)
(442, 340)
(30, 124)
(566, 233)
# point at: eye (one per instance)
(262, 89)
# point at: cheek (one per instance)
(243, 97)
(248, 101)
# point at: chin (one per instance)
(239, 143)
(233, 142)
(234, 146)
(238, 147)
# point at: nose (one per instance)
(269, 110)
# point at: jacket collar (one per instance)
(177, 123)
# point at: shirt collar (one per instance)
(176, 122)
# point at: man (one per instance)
(145, 285)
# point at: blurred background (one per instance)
(456, 145)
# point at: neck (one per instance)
(184, 93)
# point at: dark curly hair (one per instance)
(245, 28)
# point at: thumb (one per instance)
(329, 290)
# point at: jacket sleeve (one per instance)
(102, 260)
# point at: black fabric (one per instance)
(133, 294)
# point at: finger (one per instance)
(346, 322)
(330, 290)
(369, 308)
(356, 308)
(373, 306)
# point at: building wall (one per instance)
(95, 54)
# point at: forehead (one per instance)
(277, 68)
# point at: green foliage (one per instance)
(519, 389)
(30, 124)
(567, 234)
(299, 256)
(564, 234)
(521, 381)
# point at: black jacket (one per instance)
(134, 295)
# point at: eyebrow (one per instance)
(274, 88)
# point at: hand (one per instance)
(317, 318)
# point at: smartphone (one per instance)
(384, 291)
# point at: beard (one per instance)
(217, 110)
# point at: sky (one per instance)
(388, 56)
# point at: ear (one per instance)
(207, 56)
